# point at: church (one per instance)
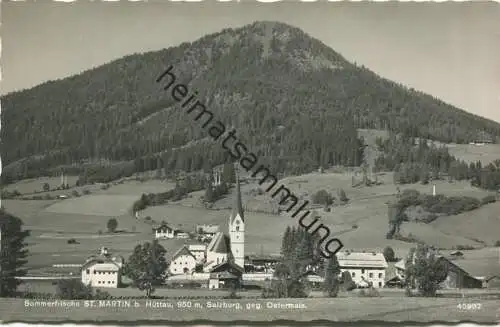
(224, 256)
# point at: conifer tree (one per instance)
(332, 283)
(286, 243)
(228, 173)
(12, 253)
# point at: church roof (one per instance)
(237, 204)
(182, 251)
(219, 244)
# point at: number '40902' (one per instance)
(469, 306)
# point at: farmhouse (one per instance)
(182, 262)
(207, 229)
(225, 275)
(457, 277)
(365, 268)
(102, 271)
(394, 276)
(165, 231)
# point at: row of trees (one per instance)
(214, 192)
(415, 160)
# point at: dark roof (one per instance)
(100, 259)
(182, 251)
(227, 266)
(161, 226)
(223, 275)
(220, 243)
(237, 204)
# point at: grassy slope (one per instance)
(52, 224)
(466, 152)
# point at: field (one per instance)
(346, 309)
(466, 152)
(53, 222)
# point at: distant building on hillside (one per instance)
(207, 229)
(365, 268)
(102, 271)
(164, 231)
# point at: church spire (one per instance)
(237, 205)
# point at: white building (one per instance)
(207, 229)
(218, 251)
(163, 231)
(364, 268)
(102, 271)
(182, 262)
(181, 234)
(199, 251)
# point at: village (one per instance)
(215, 259)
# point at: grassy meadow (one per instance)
(387, 309)
(360, 225)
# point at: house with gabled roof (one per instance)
(164, 230)
(102, 271)
(457, 277)
(225, 275)
(182, 262)
(365, 268)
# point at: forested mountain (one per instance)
(292, 100)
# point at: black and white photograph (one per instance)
(243, 162)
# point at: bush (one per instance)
(75, 193)
(430, 218)
(73, 289)
(370, 292)
(464, 247)
(112, 225)
(488, 199)
(86, 192)
(497, 243)
(389, 254)
(322, 197)
(72, 241)
(342, 196)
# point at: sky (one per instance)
(449, 50)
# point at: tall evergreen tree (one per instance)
(286, 243)
(331, 274)
(228, 173)
(13, 253)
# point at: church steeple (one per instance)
(237, 204)
(237, 228)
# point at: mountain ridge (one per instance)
(274, 75)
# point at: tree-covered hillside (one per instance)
(292, 100)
